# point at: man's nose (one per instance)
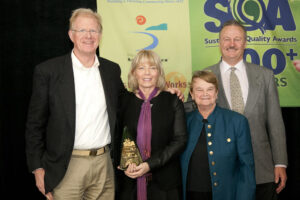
(88, 34)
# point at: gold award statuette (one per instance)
(130, 154)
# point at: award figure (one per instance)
(130, 152)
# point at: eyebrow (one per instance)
(210, 87)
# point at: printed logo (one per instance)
(141, 20)
(176, 80)
(253, 14)
(249, 13)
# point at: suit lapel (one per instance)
(67, 91)
(254, 87)
(106, 82)
(222, 100)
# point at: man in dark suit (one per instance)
(259, 103)
(72, 117)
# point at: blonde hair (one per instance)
(153, 59)
(205, 75)
(85, 12)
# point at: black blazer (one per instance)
(50, 128)
(168, 139)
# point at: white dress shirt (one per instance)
(242, 76)
(92, 126)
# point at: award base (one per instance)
(130, 154)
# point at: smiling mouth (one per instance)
(231, 48)
(88, 42)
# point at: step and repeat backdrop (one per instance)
(185, 34)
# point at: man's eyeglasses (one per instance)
(84, 31)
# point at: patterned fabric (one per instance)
(237, 101)
(144, 134)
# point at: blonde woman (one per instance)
(156, 120)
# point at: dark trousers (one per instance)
(128, 191)
(191, 195)
(266, 191)
(155, 193)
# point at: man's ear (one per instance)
(70, 33)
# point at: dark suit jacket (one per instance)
(50, 128)
(263, 112)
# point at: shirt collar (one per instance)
(211, 116)
(77, 64)
(224, 66)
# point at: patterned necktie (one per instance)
(237, 102)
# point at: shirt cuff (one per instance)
(280, 165)
(36, 169)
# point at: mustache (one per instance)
(232, 48)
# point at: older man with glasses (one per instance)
(72, 117)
